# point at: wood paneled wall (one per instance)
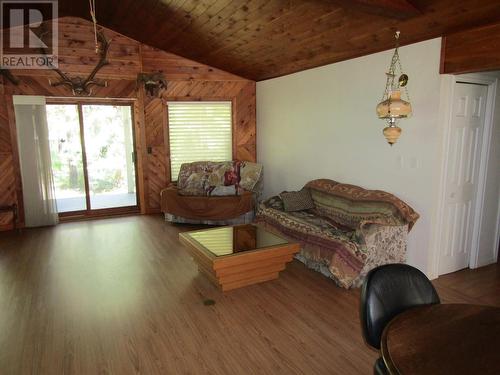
(470, 51)
(193, 81)
(187, 80)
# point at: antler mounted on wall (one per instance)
(80, 86)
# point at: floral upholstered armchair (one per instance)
(214, 193)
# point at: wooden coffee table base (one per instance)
(240, 269)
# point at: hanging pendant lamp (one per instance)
(393, 107)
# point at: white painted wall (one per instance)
(321, 123)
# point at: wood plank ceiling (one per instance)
(261, 39)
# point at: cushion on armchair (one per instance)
(250, 176)
(206, 178)
(199, 178)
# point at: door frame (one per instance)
(99, 212)
(448, 84)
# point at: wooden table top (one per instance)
(444, 339)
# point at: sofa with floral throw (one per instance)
(346, 232)
(214, 193)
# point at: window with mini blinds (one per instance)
(199, 131)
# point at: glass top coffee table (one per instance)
(241, 255)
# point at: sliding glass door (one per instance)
(92, 149)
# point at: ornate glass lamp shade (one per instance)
(394, 107)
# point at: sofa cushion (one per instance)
(354, 206)
(310, 217)
(297, 200)
(353, 213)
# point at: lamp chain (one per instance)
(94, 21)
(391, 74)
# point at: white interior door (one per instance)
(466, 133)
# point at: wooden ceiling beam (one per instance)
(471, 51)
(399, 9)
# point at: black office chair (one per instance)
(388, 291)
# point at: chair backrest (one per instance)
(389, 290)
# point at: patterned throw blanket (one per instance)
(350, 230)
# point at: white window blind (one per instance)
(199, 131)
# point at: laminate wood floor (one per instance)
(122, 296)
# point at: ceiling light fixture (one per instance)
(393, 107)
